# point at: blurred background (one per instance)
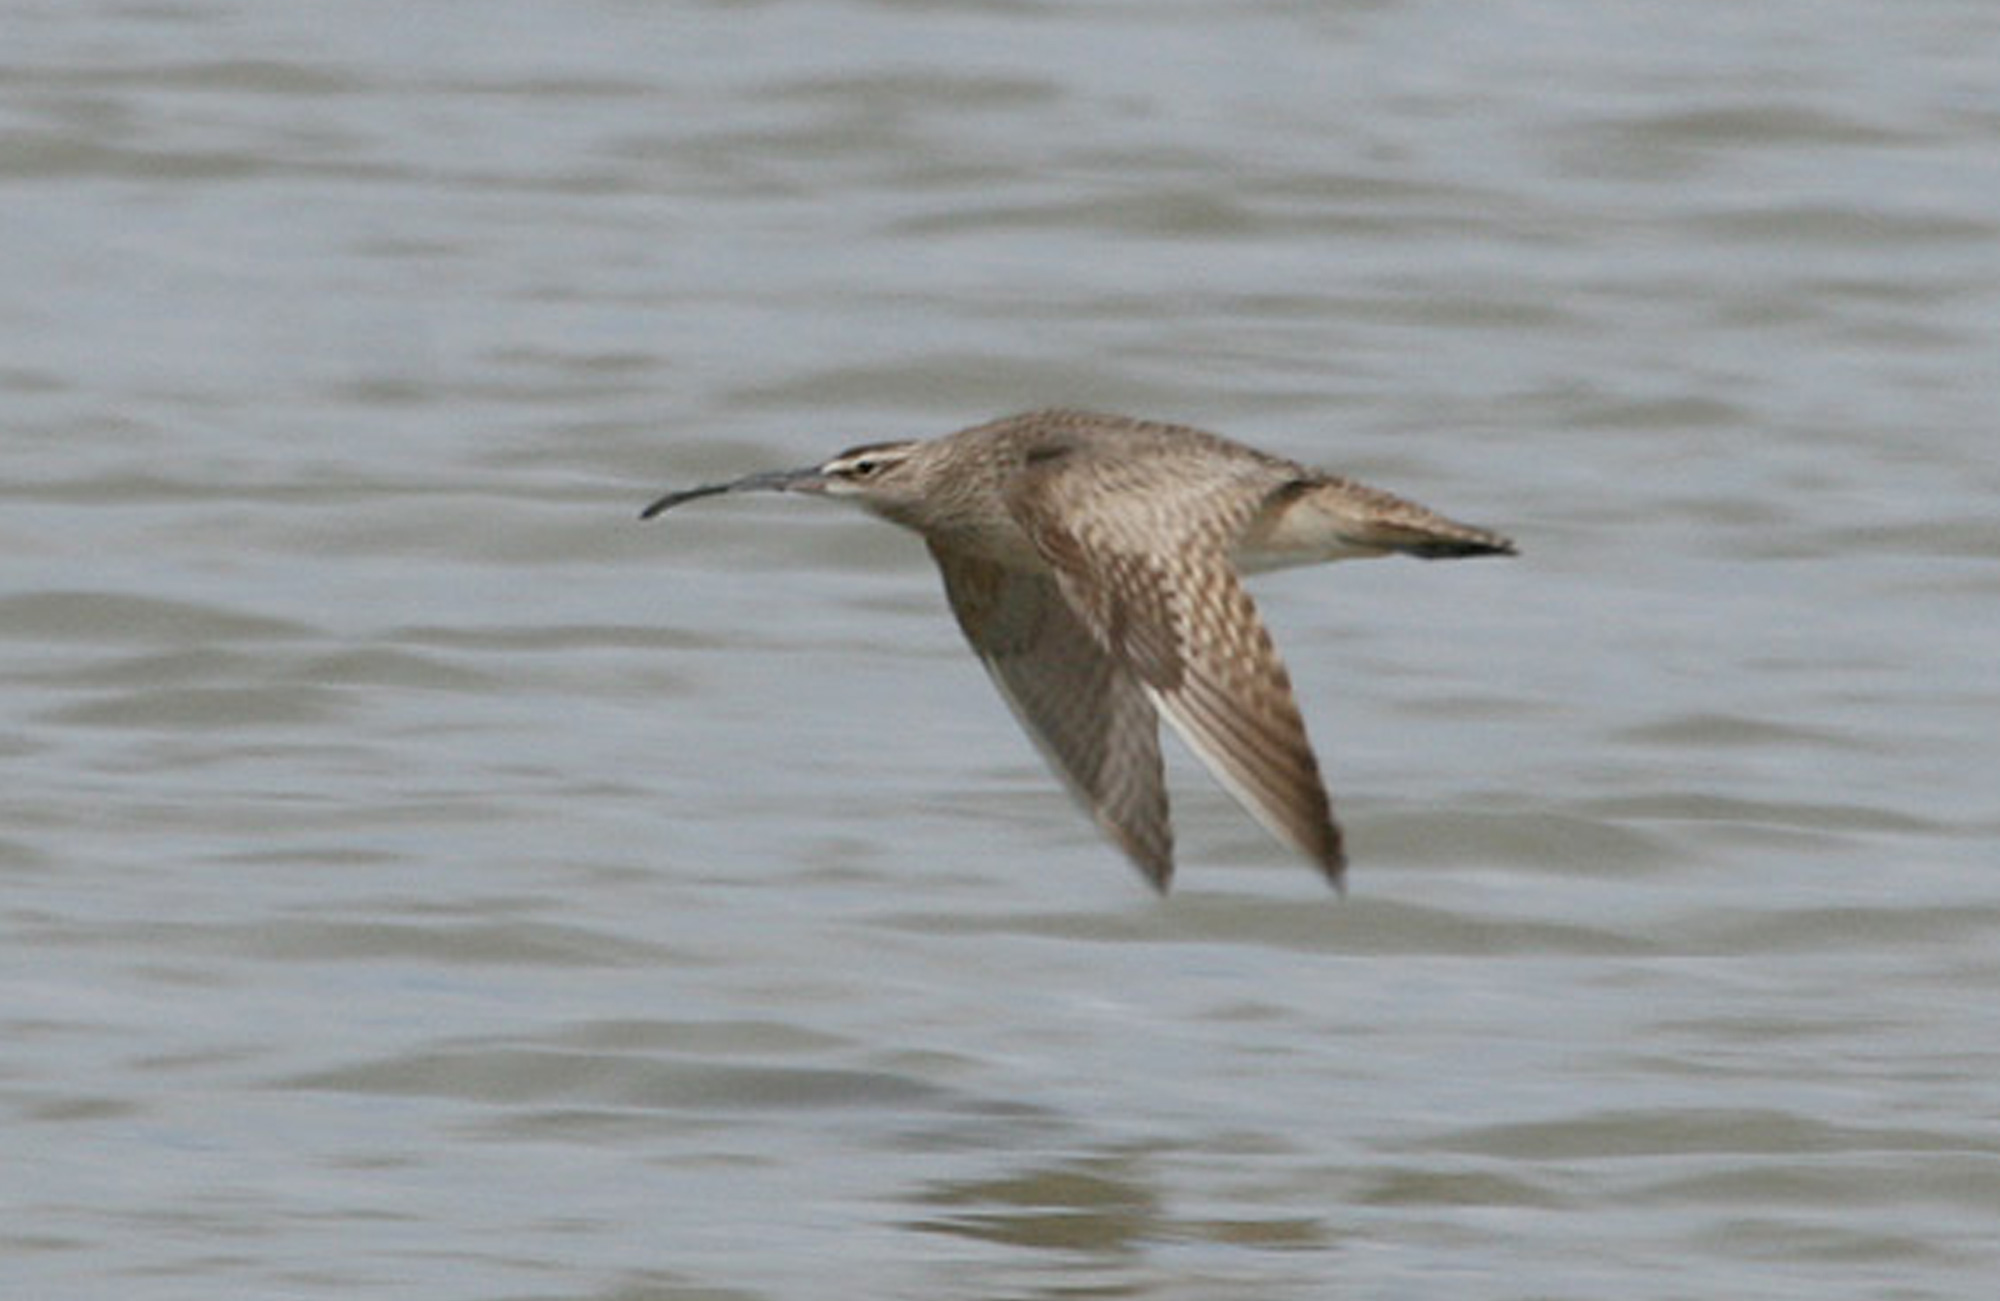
(419, 878)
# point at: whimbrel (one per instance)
(1093, 562)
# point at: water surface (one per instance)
(421, 879)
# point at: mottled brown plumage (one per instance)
(1092, 562)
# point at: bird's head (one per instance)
(877, 475)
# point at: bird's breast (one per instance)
(999, 540)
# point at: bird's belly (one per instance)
(1305, 531)
(1263, 557)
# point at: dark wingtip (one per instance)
(1332, 859)
(1158, 870)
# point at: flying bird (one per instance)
(1094, 563)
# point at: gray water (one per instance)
(420, 879)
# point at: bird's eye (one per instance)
(861, 469)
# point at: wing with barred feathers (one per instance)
(1139, 548)
(1087, 713)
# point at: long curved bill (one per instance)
(808, 479)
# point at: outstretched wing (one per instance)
(1139, 548)
(1087, 713)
